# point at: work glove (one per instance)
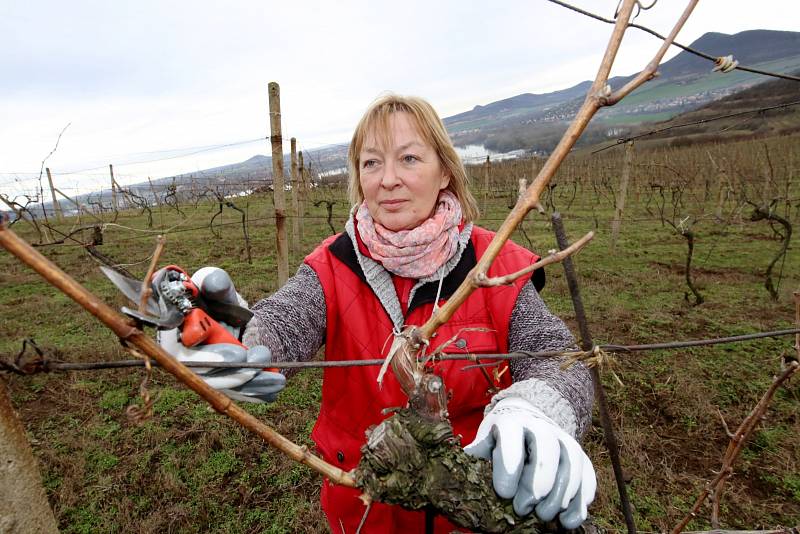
(535, 462)
(244, 384)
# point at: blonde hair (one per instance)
(433, 132)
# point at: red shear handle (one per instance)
(199, 327)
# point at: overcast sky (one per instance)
(145, 80)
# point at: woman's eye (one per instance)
(410, 158)
(368, 164)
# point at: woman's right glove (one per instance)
(244, 384)
(535, 462)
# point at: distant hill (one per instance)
(749, 47)
(259, 167)
(254, 168)
(516, 105)
(535, 122)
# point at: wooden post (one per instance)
(723, 191)
(25, 507)
(56, 205)
(301, 171)
(767, 182)
(153, 191)
(278, 195)
(523, 186)
(534, 168)
(623, 191)
(309, 182)
(295, 201)
(194, 189)
(113, 189)
(486, 170)
(636, 185)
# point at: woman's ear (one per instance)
(444, 181)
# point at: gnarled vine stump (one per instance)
(417, 462)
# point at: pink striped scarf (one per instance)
(419, 252)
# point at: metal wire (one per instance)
(45, 365)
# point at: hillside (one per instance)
(685, 82)
(519, 105)
(780, 121)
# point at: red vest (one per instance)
(359, 328)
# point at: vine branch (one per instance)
(735, 446)
(127, 330)
(554, 257)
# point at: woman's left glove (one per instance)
(535, 462)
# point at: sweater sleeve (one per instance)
(566, 396)
(291, 322)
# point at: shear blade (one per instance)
(167, 323)
(132, 289)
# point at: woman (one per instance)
(408, 244)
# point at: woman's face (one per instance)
(400, 182)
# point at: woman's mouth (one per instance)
(392, 204)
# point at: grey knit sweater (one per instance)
(291, 323)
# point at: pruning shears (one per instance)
(190, 318)
(176, 302)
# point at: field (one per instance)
(188, 469)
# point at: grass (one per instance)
(189, 469)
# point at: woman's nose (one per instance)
(390, 179)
